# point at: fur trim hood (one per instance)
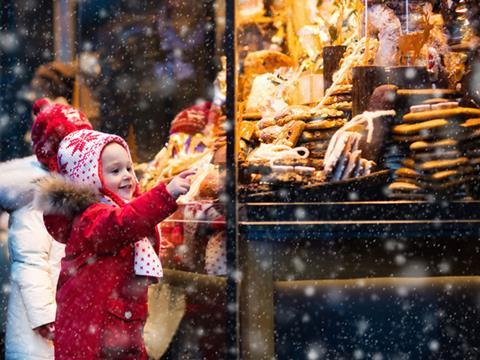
(17, 182)
(61, 200)
(58, 196)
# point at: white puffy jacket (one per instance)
(35, 263)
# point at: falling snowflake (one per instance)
(9, 41)
(434, 345)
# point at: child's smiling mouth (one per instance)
(125, 187)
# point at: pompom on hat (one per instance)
(79, 159)
(39, 105)
(52, 123)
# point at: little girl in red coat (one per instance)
(109, 260)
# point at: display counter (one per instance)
(311, 260)
(358, 219)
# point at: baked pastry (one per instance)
(211, 186)
(324, 124)
(423, 146)
(290, 134)
(462, 112)
(261, 62)
(264, 61)
(308, 136)
(248, 129)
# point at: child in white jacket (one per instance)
(34, 255)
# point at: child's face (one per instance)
(117, 171)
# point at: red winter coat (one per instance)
(101, 303)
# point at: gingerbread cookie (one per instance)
(408, 129)
(316, 135)
(433, 134)
(317, 149)
(420, 108)
(435, 101)
(337, 99)
(325, 124)
(424, 146)
(265, 61)
(407, 175)
(290, 133)
(471, 123)
(294, 117)
(327, 113)
(251, 116)
(460, 112)
(342, 89)
(315, 163)
(436, 155)
(450, 174)
(408, 163)
(445, 105)
(436, 165)
(404, 186)
(343, 106)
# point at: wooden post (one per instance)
(257, 328)
(331, 62)
(64, 30)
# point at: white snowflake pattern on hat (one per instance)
(74, 116)
(79, 155)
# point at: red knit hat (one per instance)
(52, 123)
(192, 120)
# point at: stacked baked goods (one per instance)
(436, 165)
(271, 164)
(403, 99)
(311, 147)
(339, 94)
(284, 141)
(339, 98)
(471, 149)
(319, 129)
(280, 150)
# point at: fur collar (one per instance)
(58, 196)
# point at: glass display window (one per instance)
(341, 100)
(351, 118)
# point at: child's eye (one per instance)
(115, 171)
(129, 169)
